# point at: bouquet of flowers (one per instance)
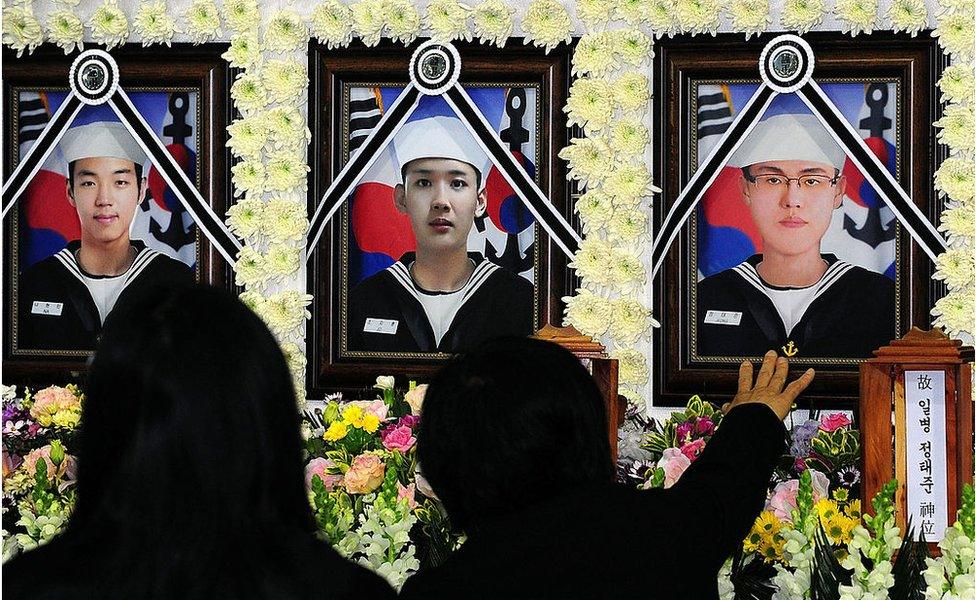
(38, 471)
(369, 500)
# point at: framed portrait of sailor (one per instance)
(432, 250)
(100, 219)
(790, 247)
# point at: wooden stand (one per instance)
(603, 368)
(882, 393)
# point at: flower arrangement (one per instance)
(369, 500)
(38, 472)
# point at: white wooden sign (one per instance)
(927, 485)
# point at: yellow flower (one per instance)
(370, 423)
(771, 548)
(336, 431)
(827, 509)
(853, 509)
(840, 528)
(767, 523)
(353, 415)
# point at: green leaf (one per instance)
(965, 515)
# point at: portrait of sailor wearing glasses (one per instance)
(64, 299)
(441, 298)
(791, 296)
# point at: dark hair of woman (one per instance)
(190, 480)
(513, 410)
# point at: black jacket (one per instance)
(497, 302)
(616, 542)
(852, 315)
(56, 279)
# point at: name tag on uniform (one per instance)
(387, 326)
(47, 308)
(723, 317)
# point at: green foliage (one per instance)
(826, 574)
(664, 436)
(833, 450)
(909, 568)
(966, 512)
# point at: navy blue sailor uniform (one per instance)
(852, 313)
(56, 310)
(494, 302)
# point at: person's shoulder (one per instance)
(377, 282)
(42, 269)
(167, 266)
(865, 281)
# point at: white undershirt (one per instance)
(104, 291)
(791, 303)
(440, 309)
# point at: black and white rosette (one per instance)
(786, 66)
(94, 80)
(434, 70)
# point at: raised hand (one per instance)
(768, 388)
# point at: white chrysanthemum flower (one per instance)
(631, 91)
(633, 12)
(594, 13)
(858, 16)
(282, 260)
(65, 29)
(285, 79)
(448, 20)
(493, 22)
(957, 83)
(628, 182)
(909, 16)
(594, 53)
(662, 18)
(591, 261)
(633, 46)
(954, 178)
(959, 222)
(629, 320)
(547, 24)
(248, 92)
(369, 20)
(590, 103)
(699, 16)
(294, 357)
(21, 29)
(595, 209)
(802, 15)
(248, 176)
(249, 268)
(588, 312)
(955, 33)
(588, 158)
(242, 15)
(285, 32)
(248, 136)
(626, 269)
(153, 23)
(954, 312)
(244, 50)
(245, 217)
(109, 25)
(288, 128)
(627, 224)
(957, 128)
(202, 21)
(253, 300)
(286, 311)
(956, 267)
(629, 139)
(284, 219)
(631, 366)
(332, 23)
(750, 16)
(286, 170)
(402, 20)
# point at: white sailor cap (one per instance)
(789, 137)
(439, 137)
(99, 139)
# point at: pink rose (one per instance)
(374, 407)
(674, 463)
(365, 474)
(320, 467)
(410, 421)
(407, 493)
(415, 398)
(398, 437)
(833, 422)
(783, 500)
(693, 449)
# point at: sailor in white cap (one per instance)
(791, 297)
(64, 299)
(440, 298)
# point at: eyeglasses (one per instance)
(812, 186)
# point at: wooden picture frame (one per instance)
(914, 64)
(204, 77)
(333, 366)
